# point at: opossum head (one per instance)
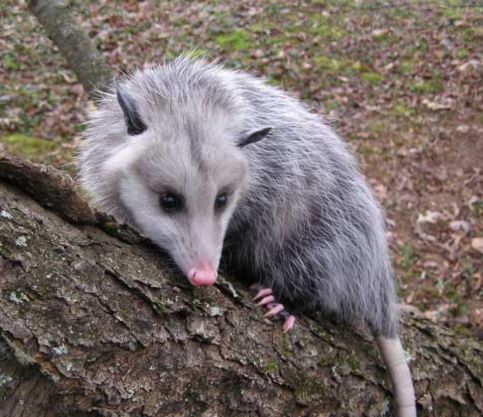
(179, 178)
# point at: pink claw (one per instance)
(262, 293)
(275, 310)
(289, 323)
(266, 300)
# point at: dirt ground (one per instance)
(401, 81)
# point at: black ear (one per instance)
(134, 123)
(253, 137)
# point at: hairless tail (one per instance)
(393, 355)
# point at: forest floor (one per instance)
(404, 85)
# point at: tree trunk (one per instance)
(93, 323)
(74, 44)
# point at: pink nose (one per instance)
(204, 274)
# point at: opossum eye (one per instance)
(171, 202)
(220, 201)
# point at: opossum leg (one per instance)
(274, 309)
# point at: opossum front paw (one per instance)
(274, 309)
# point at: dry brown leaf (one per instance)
(477, 244)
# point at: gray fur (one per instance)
(311, 228)
(301, 218)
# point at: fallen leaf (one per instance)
(477, 244)
(460, 225)
(432, 105)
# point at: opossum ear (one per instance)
(253, 137)
(134, 124)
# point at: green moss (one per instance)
(273, 80)
(331, 106)
(399, 13)
(284, 345)
(160, 307)
(358, 67)
(320, 25)
(328, 359)
(422, 45)
(451, 12)
(306, 389)
(120, 231)
(170, 54)
(237, 40)
(372, 78)
(197, 53)
(473, 34)
(408, 256)
(353, 363)
(402, 109)
(365, 150)
(478, 207)
(327, 64)
(433, 86)
(407, 66)
(258, 27)
(271, 367)
(10, 63)
(377, 127)
(28, 146)
(111, 227)
(462, 54)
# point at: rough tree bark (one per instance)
(74, 44)
(93, 323)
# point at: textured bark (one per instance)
(93, 323)
(74, 44)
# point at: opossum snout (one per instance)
(204, 274)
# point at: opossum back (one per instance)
(312, 229)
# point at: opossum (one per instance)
(199, 157)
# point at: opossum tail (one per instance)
(393, 354)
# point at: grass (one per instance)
(237, 40)
(320, 25)
(28, 146)
(372, 78)
(10, 63)
(432, 86)
(328, 65)
(408, 257)
(402, 110)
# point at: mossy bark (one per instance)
(74, 44)
(94, 324)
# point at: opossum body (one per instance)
(199, 157)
